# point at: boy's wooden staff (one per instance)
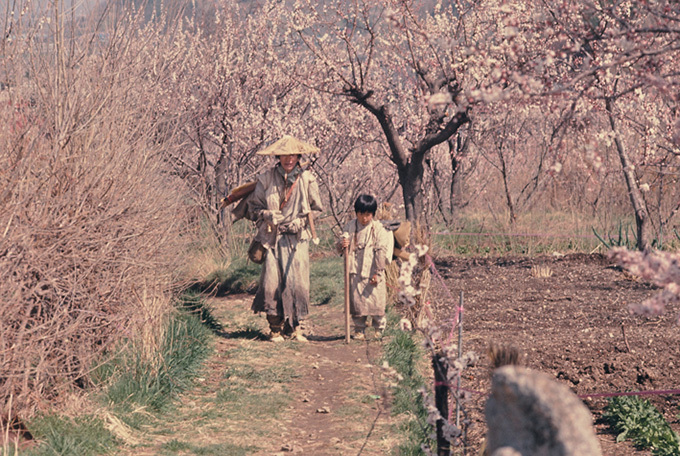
(347, 249)
(312, 228)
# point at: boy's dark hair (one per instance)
(366, 204)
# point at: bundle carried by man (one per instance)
(238, 193)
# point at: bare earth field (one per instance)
(573, 325)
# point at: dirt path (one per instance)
(256, 397)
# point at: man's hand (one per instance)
(293, 227)
(271, 217)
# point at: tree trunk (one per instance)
(441, 203)
(506, 187)
(641, 214)
(457, 151)
(221, 184)
(409, 165)
(411, 181)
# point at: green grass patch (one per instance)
(483, 234)
(369, 398)
(243, 325)
(638, 420)
(194, 304)
(240, 403)
(254, 390)
(351, 412)
(221, 449)
(327, 281)
(247, 351)
(154, 385)
(241, 276)
(404, 354)
(263, 378)
(63, 436)
(131, 382)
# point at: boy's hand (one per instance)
(344, 243)
(374, 280)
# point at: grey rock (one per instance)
(506, 451)
(531, 414)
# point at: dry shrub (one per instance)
(503, 355)
(392, 280)
(541, 271)
(90, 218)
(421, 279)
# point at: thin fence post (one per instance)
(441, 400)
(347, 291)
(460, 354)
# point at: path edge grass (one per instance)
(130, 390)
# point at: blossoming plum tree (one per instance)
(398, 65)
(618, 62)
(239, 89)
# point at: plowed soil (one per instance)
(568, 317)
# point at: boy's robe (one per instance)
(371, 247)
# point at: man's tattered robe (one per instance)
(284, 280)
(371, 247)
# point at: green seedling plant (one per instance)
(622, 240)
(638, 420)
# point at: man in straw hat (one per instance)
(281, 206)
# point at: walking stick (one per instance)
(347, 293)
(312, 228)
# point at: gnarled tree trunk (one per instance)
(642, 219)
(409, 162)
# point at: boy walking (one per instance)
(370, 246)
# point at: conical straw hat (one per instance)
(289, 146)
